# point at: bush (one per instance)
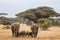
(44, 23)
(5, 22)
(29, 23)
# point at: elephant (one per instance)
(30, 34)
(22, 33)
(34, 29)
(15, 29)
(25, 34)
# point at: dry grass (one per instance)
(52, 34)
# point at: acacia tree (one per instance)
(37, 13)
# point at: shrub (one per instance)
(44, 23)
(29, 23)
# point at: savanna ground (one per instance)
(53, 33)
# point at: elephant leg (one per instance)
(35, 34)
(13, 33)
(31, 35)
(16, 34)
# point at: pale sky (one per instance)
(13, 7)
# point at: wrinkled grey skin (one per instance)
(34, 29)
(15, 30)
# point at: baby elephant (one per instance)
(25, 34)
(22, 33)
(30, 34)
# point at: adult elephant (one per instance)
(34, 29)
(15, 29)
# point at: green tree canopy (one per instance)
(44, 23)
(36, 13)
